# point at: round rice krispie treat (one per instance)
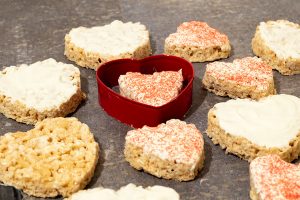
(57, 157)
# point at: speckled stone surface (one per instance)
(34, 30)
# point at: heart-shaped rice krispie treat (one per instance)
(272, 178)
(277, 43)
(174, 150)
(197, 42)
(154, 89)
(248, 77)
(44, 89)
(128, 192)
(92, 47)
(57, 157)
(250, 128)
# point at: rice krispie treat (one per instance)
(156, 89)
(244, 78)
(57, 157)
(128, 192)
(277, 43)
(272, 178)
(249, 128)
(45, 89)
(174, 150)
(197, 42)
(92, 47)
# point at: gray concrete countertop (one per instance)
(34, 30)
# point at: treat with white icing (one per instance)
(129, 192)
(277, 42)
(172, 150)
(270, 125)
(42, 87)
(91, 47)
(282, 37)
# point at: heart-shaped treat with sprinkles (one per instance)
(197, 42)
(172, 150)
(156, 90)
(248, 77)
(272, 178)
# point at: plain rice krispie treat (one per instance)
(92, 47)
(272, 178)
(244, 78)
(277, 43)
(57, 157)
(249, 128)
(197, 42)
(128, 192)
(45, 89)
(156, 89)
(174, 150)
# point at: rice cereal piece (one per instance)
(57, 157)
(248, 77)
(174, 150)
(277, 43)
(92, 47)
(128, 192)
(156, 89)
(250, 129)
(272, 178)
(44, 89)
(197, 42)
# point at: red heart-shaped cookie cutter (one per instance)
(137, 114)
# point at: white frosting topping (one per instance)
(42, 85)
(112, 39)
(270, 122)
(282, 37)
(129, 192)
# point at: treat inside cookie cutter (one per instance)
(138, 114)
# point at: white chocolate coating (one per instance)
(129, 192)
(42, 85)
(112, 39)
(270, 122)
(282, 37)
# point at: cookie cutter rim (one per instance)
(139, 114)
